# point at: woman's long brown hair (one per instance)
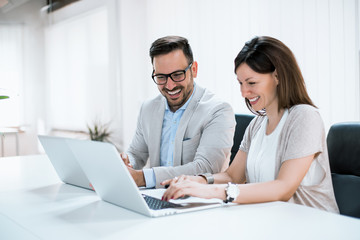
(265, 55)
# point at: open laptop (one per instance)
(64, 162)
(113, 183)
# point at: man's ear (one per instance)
(194, 69)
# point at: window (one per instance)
(11, 74)
(77, 56)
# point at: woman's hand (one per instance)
(184, 186)
(198, 179)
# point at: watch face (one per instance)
(232, 192)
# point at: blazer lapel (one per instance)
(184, 121)
(154, 140)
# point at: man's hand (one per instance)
(126, 160)
(138, 176)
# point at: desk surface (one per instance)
(35, 204)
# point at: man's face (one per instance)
(176, 93)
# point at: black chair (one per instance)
(242, 121)
(343, 141)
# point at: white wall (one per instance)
(323, 34)
(135, 82)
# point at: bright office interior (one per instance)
(88, 61)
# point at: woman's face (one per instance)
(259, 89)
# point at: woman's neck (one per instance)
(274, 118)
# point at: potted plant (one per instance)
(99, 132)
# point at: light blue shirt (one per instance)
(170, 125)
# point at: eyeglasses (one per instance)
(177, 76)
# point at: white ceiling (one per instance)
(8, 5)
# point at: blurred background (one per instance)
(67, 65)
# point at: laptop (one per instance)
(113, 183)
(64, 162)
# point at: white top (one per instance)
(314, 175)
(262, 153)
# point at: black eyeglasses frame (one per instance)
(169, 75)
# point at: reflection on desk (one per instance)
(37, 201)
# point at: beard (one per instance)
(177, 102)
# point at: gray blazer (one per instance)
(203, 139)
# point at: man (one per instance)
(185, 130)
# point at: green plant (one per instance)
(99, 132)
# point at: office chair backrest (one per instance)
(343, 142)
(242, 121)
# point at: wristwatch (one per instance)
(232, 192)
(208, 176)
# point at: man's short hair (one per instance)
(168, 44)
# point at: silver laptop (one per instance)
(113, 183)
(64, 162)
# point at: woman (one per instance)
(283, 155)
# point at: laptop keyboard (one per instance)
(156, 204)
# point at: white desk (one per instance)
(34, 204)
